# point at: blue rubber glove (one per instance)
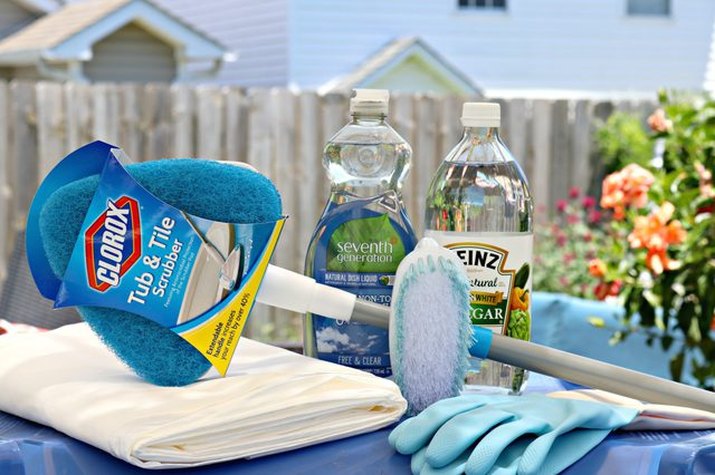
(414, 433)
(506, 434)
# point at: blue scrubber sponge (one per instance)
(209, 189)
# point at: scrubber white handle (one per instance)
(292, 291)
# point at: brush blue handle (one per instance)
(586, 371)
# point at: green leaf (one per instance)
(676, 366)
(647, 313)
(666, 342)
(597, 322)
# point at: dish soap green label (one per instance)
(358, 251)
(369, 245)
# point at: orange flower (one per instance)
(658, 123)
(655, 233)
(627, 187)
(597, 268)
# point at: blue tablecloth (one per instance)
(31, 449)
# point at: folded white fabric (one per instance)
(272, 400)
(651, 416)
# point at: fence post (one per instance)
(517, 132)
(105, 111)
(259, 156)
(403, 113)
(183, 120)
(541, 168)
(560, 160)
(210, 126)
(581, 152)
(284, 165)
(5, 214)
(78, 114)
(236, 123)
(51, 132)
(335, 115)
(309, 173)
(425, 159)
(24, 165)
(130, 133)
(157, 121)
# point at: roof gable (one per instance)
(70, 32)
(405, 56)
(38, 6)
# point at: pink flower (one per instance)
(564, 281)
(706, 181)
(561, 205)
(561, 239)
(588, 237)
(588, 202)
(574, 192)
(569, 257)
(572, 219)
(594, 216)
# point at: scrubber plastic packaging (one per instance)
(203, 188)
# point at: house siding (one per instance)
(27, 73)
(413, 75)
(589, 45)
(13, 17)
(131, 54)
(256, 30)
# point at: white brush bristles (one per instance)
(430, 329)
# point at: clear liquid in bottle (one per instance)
(363, 234)
(479, 206)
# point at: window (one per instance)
(482, 4)
(649, 7)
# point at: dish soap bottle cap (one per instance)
(369, 101)
(481, 114)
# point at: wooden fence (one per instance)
(279, 131)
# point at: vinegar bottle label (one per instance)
(499, 274)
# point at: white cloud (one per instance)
(331, 340)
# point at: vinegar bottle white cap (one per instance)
(369, 101)
(481, 114)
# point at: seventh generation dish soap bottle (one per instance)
(364, 231)
(480, 207)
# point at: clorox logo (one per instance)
(112, 244)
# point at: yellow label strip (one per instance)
(217, 337)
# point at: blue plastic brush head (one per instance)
(209, 189)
